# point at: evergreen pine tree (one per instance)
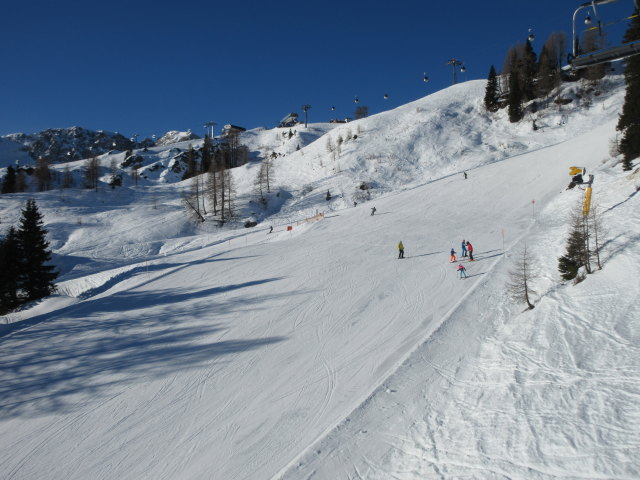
(528, 72)
(9, 182)
(515, 97)
(629, 121)
(577, 251)
(9, 271)
(207, 154)
(37, 278)
(491, 92)
(191, 166)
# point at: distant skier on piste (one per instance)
(470, 250)
(463, 253)
(373, 210)
(452, 258)
(400, 250)
(462, 272)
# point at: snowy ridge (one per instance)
(175, 350)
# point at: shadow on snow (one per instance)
(75, 352)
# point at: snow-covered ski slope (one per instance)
(175, 351)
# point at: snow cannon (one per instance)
(576, 176)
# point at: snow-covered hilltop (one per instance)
(186, 350)
(175, 136)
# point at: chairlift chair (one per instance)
(609, 54)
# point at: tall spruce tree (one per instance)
(191, 164)
(629, 121)
(207, 154)
(9, 271)
(37, 277)
(515, 97)
(9, 182)
(577, 254)
(491, 92)
(528, 71)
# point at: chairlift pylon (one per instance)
(575, 60)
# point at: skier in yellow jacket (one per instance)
(400, 250)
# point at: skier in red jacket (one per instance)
(470, 250)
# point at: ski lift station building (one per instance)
(229, 129)
(289, 121)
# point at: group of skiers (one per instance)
(467, 251)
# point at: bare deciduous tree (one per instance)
(213, 180)
(598, 231)
(42, 174)
(67, 178)
(520, 279)
(361, 112)
(135, 174)
(329, 145)
(220, 187)
(92, 172)
(227, 206)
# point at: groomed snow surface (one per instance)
(182, 351)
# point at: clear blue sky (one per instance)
(148, 67)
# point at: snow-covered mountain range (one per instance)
(61, 145)
(182, 350)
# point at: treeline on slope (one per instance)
(527, 82)
(25, 274)
(212, 183)
(43, 178)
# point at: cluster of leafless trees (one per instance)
(212, 191)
